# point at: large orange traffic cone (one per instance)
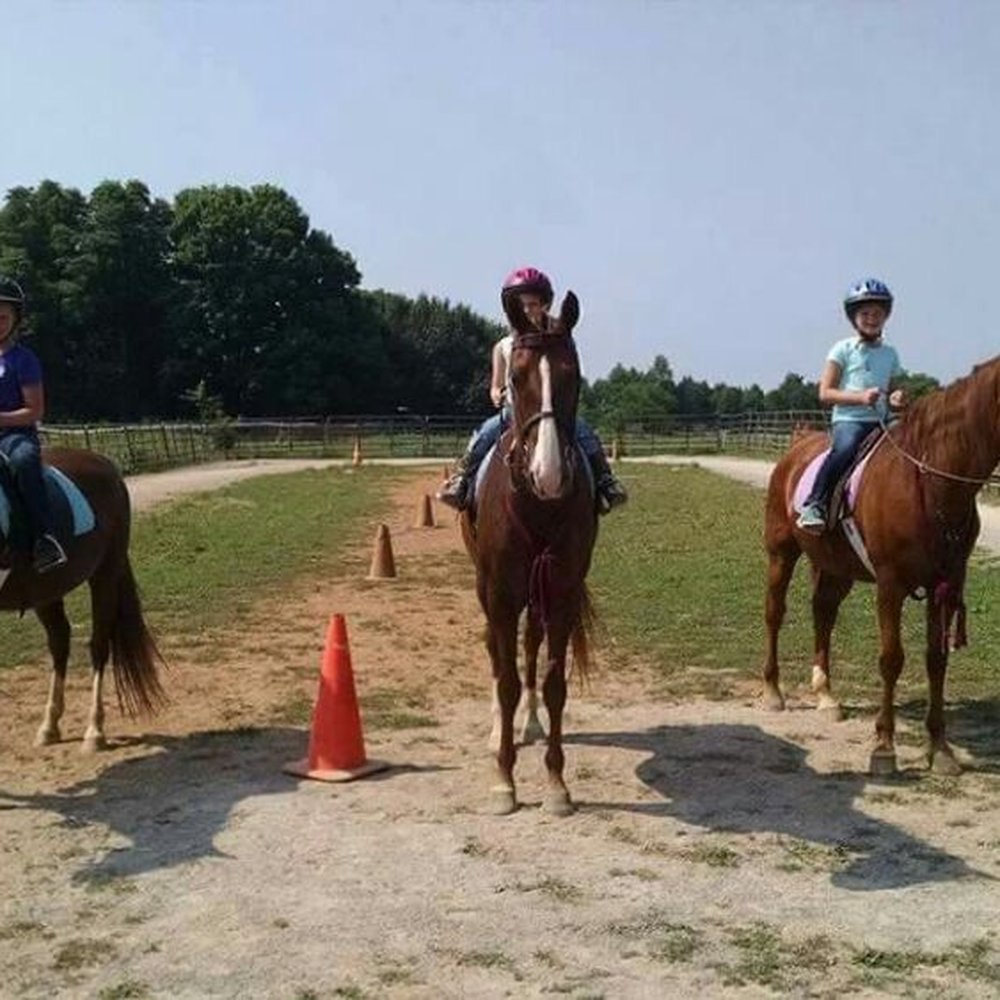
(336, 744)
(383, 566)
(425, 515)
(356, 454)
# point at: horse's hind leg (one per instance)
(57, 631)
(828, 594)
(781, 560)
(532, 729)
(103, 598)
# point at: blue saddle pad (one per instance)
(481, 471)
(71, 511)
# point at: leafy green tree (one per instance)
(272, 321)
(794, 393)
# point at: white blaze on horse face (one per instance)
(546, 461)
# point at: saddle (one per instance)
(840, 510)
(71, 512)
(845, 490)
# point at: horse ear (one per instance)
(569, 314)
(516, 315)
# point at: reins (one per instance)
(926, 469)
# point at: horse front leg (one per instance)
(828, 594)
(507, 692)
(890, 608)
(557, 801)
(532, 729)
(57, 632)
(940, 756)
(781, 560)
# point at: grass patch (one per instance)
(486, 960)
(128, 989)
(388, 708)
(679, 577)
(760, 956)
(713, 855)
(81, 952)
(554, 888)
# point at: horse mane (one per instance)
(959, 420)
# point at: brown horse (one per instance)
(531, 537)
(916, 512)
(99, 557)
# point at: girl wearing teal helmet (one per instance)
(857, 381)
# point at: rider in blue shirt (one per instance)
(857, 381)
(22, 405)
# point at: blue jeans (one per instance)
(847, 437)
(490, 430)
(24, 460)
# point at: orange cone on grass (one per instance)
(383, 565)
(425, 515)
(336, 743)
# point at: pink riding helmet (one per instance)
(529, 279)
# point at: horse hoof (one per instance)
(943, 763)
(773, 701)
(831, 711)
(559, 804)
(46, 737)
(93, 744)
(883, 763)
(532, 731)
(502, 802)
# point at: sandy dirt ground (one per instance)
(717, 850)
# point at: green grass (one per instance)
(203, 561)
(679, 578)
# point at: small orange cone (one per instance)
(356, 458)
(336, 744)
(425, 515)
(383, 566)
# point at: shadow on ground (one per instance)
(171, 803)
(739, 779)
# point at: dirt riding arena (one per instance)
(717, 850)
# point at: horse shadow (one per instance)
(739, 779)
(172, 803)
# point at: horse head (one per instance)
(545, 375)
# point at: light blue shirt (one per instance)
(864, 366)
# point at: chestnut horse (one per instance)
(99, 557)
(531, 536)
(916, 512)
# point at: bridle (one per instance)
(536, 341)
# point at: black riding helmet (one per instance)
(11, 291)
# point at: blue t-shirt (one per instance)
(864, 366)
(19, 367)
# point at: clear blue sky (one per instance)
(708, 176)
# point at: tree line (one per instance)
(226, 299)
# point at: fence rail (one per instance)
(149, 447)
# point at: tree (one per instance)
(272, 319)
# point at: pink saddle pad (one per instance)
(805, 483)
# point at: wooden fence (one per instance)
(149, 447)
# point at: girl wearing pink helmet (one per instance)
(535, 292)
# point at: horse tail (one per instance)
(134, 655)
(581, 638)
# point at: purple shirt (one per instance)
(18, 367)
